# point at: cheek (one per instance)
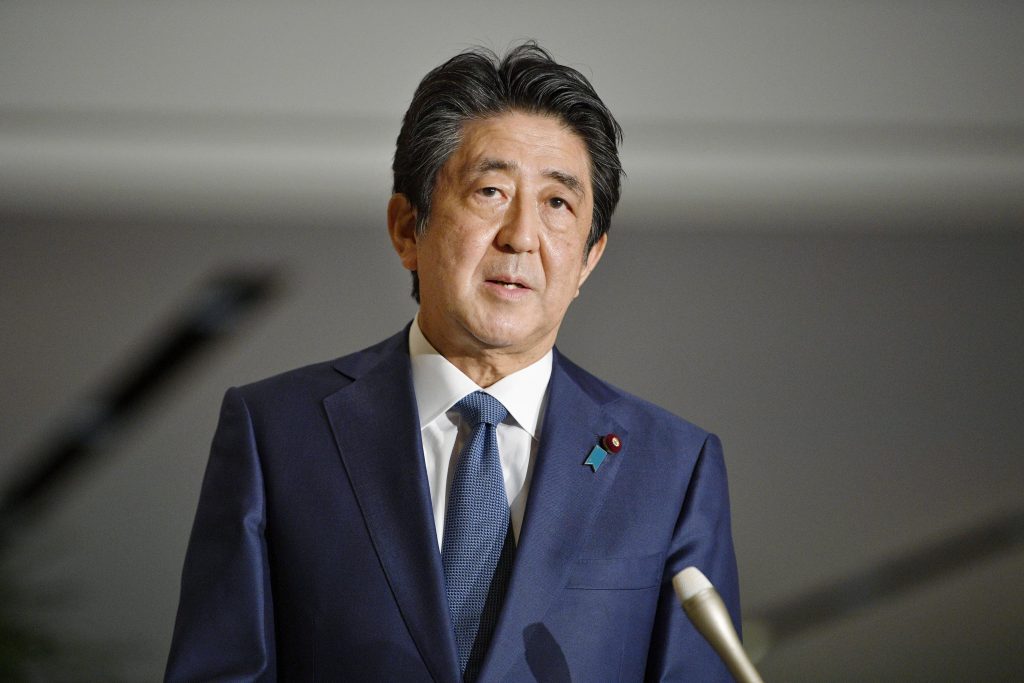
(564, 261)
(456, 261)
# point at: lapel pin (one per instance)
(609, 443)
(612, 443)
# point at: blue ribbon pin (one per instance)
(596, 457)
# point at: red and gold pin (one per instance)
(611, 443)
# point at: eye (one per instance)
(558, 203)
(489, 191)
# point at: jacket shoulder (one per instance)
(316, 381)
(629, 407)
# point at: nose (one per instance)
(519, 231)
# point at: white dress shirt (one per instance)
(439, 385)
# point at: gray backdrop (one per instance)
(819, 256)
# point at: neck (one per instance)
(486, 369)
(485, 366)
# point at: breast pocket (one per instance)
(617, 573)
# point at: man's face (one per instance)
(503, 253)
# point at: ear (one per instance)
(402, 228)
(593, 256)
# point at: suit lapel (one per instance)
(565, 496)
(376, 427)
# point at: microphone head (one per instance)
(689, 582)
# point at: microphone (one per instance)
(706, 610)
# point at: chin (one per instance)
(500, 335)
(498, 341)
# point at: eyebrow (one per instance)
(571, 182)
(567, 179)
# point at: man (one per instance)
(461, 501)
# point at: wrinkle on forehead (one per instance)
(487, 164)
(482, 141)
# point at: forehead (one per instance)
(532, 144)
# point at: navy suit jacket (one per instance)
(314, 556)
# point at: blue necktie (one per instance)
(476, 550)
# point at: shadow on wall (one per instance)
(27, 650)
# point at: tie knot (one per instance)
(480, 407)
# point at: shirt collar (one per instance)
(439, 385)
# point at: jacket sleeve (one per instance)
(703, 539)
(225, 626)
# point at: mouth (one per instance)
(507, 284)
